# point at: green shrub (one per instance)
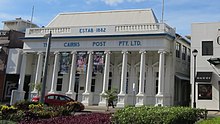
(73, 106)
(27, 111)
(157, 115)
(24, 105)
(7, 111)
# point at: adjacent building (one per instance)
(91, 52)
(206, 65)
(9, 40)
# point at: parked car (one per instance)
(57, 100)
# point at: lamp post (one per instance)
(194, 52)
(48, 36)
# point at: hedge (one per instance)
(158, 115)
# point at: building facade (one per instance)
(92, 52)
(9, 40)
(205, 71)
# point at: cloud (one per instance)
(116, 2)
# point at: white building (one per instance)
(18, 24)
(136, 53)
(206, 40)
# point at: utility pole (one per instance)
(162, 12)
(45, 67)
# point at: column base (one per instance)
(34, 93)
(140, 100)
(122, 100)
(159, 100)
(16, 96)
(87, 99)
(52, 92)
(71, 95)
(103, 101)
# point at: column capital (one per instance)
(90, 52)
(24, 52)
(73, 52)
(40, 53)
(56, 52)
(124, 52)
(107, 52)
(143, 51)
(162, 51)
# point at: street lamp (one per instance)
(48, 36)
(195, 53)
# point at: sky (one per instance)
(179, 14)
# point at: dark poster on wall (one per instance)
(81, 62)
(98, 62)
(64, 62)
(204, 91)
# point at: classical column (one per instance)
(71, 92)
(160, 95)
(38, 73)
(140, 97)
(18, 94)
(122, 96)
(87, 95)
(55, 73)
(105, 79)
(22, 71)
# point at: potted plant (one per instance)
(111, 97)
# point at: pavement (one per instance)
(212, 114)
(100, 109)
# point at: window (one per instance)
(178, 46)
(204, 91)
(109, 84)
(156, 91)
(184, 53)
(127, 83)
(188, 54)
(207, 48)
(156, 85)
(93, 85)
(50, 97)
(110, 81)
(59, 84)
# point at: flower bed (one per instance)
(92, 118)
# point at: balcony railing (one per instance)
(108, 30)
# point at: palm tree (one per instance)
(110, 96)
(37, 86)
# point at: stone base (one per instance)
(140, 100)
(103, 101)
(122, 100)
(159, 100)
(34, 93)
(87, 99)
(16, 96)
(71, 95)
(52, 92)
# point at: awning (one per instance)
(204, 77)
(214, 61)
(182, 77)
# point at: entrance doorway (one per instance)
(76, 87)
(26, 86)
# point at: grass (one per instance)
(7, 122)
(215, 120)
